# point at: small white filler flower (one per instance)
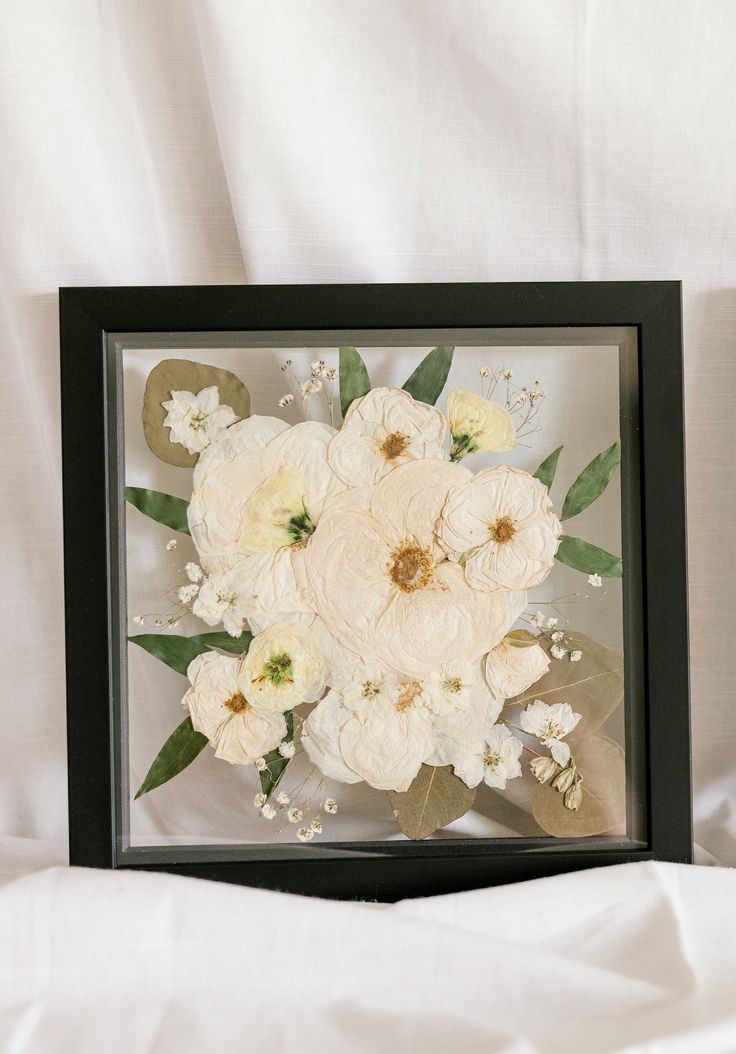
(550, 724)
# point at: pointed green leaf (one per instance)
(588, 558)
(275, 763)
(164, 508)
(591, 482)
(354, 379)
(428, 379)
(546, 471)
(178, 652)
(179, 750)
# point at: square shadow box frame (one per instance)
(642, 318)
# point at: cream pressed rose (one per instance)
(195, 420)
(478, 425)
(282, 669)
(511, 667)
(236, 728)
(501, 528)
(382, 430)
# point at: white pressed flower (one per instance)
(550, 724)
(595, 580)
(552, 623)
(139, 620)
(238, 731)
(282, 798)
(158, 621)
(294, 815)
(574, 796)
(188, 593)
(330, 806)
(507, 373)
(565, 779)
(193, 572)
(458, 685)
(331, 374)
(543, 768)
(268, 812)
(382, 430)
(495, 762)
(316, 826)
(171, 545)
(478, 425)
(392, 591)
(321, 738)
(557, 652)
(537, 620)
(576, 655)
(460, 732)
(221, 599)
(261, 764)
(283, 668)
(310, 387)
(305, 834)
(512, 667)
(557, 636)
(286, 400)
(501, 528)
(317, 367)
(259, 801)
(195, 420)
(287, 749)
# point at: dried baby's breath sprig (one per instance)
(523, 403)
(319, 381)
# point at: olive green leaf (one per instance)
(178, 652)
(521, 638)
(588, 558)
(164, 508)
(354, 379)
(179, 750)
(591, 482)
(275, 763)
(428, 379)
(546, 471)
(435, 798)
(600, 761)
(593, 687)
(172, 375)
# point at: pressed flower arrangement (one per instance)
(368, 594)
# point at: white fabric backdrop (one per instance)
(356, 140)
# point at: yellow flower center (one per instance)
(237, 704)
(410, 691)
(502, 530)
(490, 760)
(453, 685)
(394, 445)
(411, 567)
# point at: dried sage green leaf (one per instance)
(163, 508)
(179, 751)
(177, 652)
(275, 763)
(588, 558)
(521, 638)
(593, 687)
(546, 471)
(354, 379)
(181, 375)
(435, 798)
(591, 482)
(600, 761)
(428, 379)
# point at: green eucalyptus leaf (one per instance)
(354, 379)
(428, 379)
(275, 763)
(546, 471)
(588, 558)
(591, 482)
(177, 652)
(435, 798)
(179, 750)
(164, 508)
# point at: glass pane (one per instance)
(401, 575)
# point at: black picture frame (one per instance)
(393, 870)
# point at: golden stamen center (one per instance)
(410, 690)
(411, 568)
(394, 445)
(237, 704)
(502, 530)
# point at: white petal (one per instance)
(321, 738)
(560, 751)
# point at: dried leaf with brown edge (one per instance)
(181, 375)
(600, 761)
(435, 798)
(593, 687)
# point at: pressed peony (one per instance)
(511, 667)
(494, 762)
(382, 430)
(238, 730)
(282, 669)
(382, 586)
(478, 425)
(195, 420)
(501, 528)
(550, 723)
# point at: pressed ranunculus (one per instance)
(196, 420)
(500, 526)
(511, 667)
(382, 430)
(478, 425)
(494, 762)
(283, 668)
(383, 587)
(238, 730)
